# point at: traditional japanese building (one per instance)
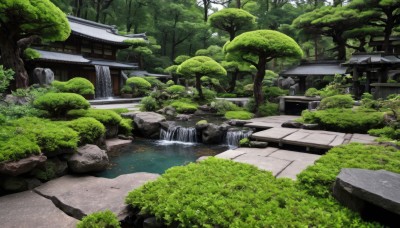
(89, 52)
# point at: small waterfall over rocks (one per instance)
(103, 82)
(233, 136)
(180, 134)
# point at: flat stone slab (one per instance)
(80, 196)
(363, 138)
(28, 209)
(270, 121)
(380, 188)
(262, 125)
(282, 163)
(114, 144)
(273, 134)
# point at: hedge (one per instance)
(345, 120)
(106, 117)
(240, 115)
(58, 104)
(77, 85)
(223, 193)
(319, 178)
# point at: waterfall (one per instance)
(103, 82)
(232, 138)
(178, 133)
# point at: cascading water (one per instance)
(103, 82)
(180, 134)
(233, 137)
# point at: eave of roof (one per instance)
(372, 59)
(315, 69)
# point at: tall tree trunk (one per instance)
(315, 47)
(232, 35)
(198, 86)
(238, 4)
(341, 47)
(258, 95)
(205, 12)
(233, 80)
(388, 32)
(98, 11)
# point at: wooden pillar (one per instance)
(368, 82)
(302, 85)
(356, 83)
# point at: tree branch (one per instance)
(249, 61)
(25, 42)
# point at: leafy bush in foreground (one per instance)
(106, 117)
(125, 127)
(319, 178)
(78, 85)
(223, 193)
(240, 115)
(102, 219)
(89, 129)
(345, 120)
(148, 104)
(58, 104)
(337, 101)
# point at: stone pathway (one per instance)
(60, 202)
(130, 106)
(309, 138)
(282, 163)
(270, 121)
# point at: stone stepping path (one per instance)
(309, 138)
(270, 121)
(282, 163)
(60, 202)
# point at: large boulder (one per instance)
(214, 134)
(15, 168)
(80, 196)
(89, 158)
(148, 124)
(374, 194)
(28, 209)
(19, 184)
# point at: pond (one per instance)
(156, 156)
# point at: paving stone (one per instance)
(294, 168)
(275, 165)
(28, 209)
(262, 125)
(80, 196)
(230, 154)
(295, 156)
(261, 152)
(363, 138)
(273, 134)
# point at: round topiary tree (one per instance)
(78, 85)
(58, 104)
(139, 85)
(201, 66)
(258, 48)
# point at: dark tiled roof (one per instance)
(101, 32)
(372, 59)
(143, 73)
(316, 69)
(118, 65)
(62, 57)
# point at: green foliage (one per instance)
(344, 120)
(268, 109)
(5, 77)
(170, 83)
(386, 132)
(319, 178)
(19, 146)
(208, 94)
(58, 104)
(367, 96)
(240, 115)
(136, 42)
(202, 122)
(125, 127)
(89, 129)
(227, 95)
(154, 82)
(102, 219)
(180, 59)
(148, 104)
(18, 111)
(119, 110)
(126, 89)
(223, 106)
(245, 142)
(176, 91)
(201, 66)
(311, 92)
(78, 85)
(222, 193)
(337, 101)
(46, 172)
(272, 93)
(106, 117)
(140, 85)
(30, 54)
(184, 106)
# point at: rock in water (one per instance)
(89, 158)
(80, 196)
(374, 194)
(148, 124)
(28, 209)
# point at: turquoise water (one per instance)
(156, 156)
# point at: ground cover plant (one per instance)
(89, 129)
(184, 106)
(223, 193)
(240, 115)
(106, 219)
(337, 101)
(319, 178)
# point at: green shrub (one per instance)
(337, 101)
(272, 93)
(119, 110)
(319, 178)
(387, 132)
(208, 94)
(102, 219)
(223, 106)
(19, 146)
(184, 107)
(268, 109)
(148, 104)
(139, 85)
(89, 129)
(154, 82)
(367, 96)
(176, 90)
(170, 83)
(19, 111)
(223, 193)
(345, 120)
(227, 95)
(125, 127)
(245, 142)
(126, 89)
(311, 92)
(5, 77)
(106, 117)
(58, 104)
(240, 115)
(78, 85)
(30, 54)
